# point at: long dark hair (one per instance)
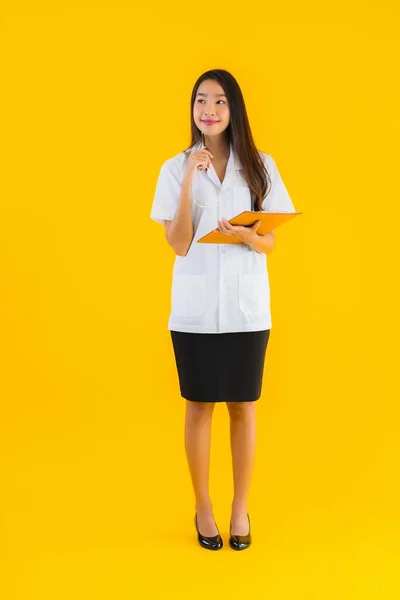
(238, 133)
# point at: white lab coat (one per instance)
(217, 288)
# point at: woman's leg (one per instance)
(198, 420)
(243, 440)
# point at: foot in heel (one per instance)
(213, 542)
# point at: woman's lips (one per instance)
(210, 122)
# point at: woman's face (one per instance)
(211, 104)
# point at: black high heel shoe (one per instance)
(239, 542)
(213, 542)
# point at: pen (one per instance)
(204, 146)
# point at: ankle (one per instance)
(202, 506)
(239, 506)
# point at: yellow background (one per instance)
(96, 498)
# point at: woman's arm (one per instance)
(179, 231)
(264, 244)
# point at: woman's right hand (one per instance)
(198, 161)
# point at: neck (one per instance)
(218, 146)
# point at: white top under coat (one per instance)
(217, 288)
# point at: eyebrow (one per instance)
(201, 94)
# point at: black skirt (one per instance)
(220, 367)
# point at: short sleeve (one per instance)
(167, 192)
(277, 199)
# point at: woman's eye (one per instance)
(202, 100)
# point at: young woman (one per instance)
(220, 300)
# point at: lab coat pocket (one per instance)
(241, 199)
(253, 293)
(188, 295)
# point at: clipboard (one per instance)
(269, 221)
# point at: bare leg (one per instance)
(198, 421)
(243, 440)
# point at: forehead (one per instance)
(210, 88)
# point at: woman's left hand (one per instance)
(245, 234)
